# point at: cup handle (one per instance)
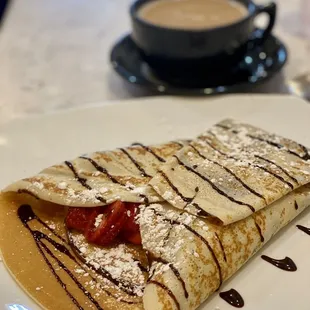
(270, 10)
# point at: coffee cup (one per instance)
(173, 50)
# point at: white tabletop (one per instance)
(54, 54)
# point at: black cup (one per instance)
(172, 52)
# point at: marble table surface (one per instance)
(54, 55)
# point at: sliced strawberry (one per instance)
(131, 229)
(131, 226)
(77, 218)
(109, 224)
(134, 237)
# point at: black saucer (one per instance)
(259, 64)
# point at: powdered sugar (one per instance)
(117, 261)
(62, 185)
(83, 196)
(98, 220)
(38, 185)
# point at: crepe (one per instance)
(59, 268)
(232, 171)
(100, 178)
(192, 256)
(206, 208)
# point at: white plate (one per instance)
(28, 145)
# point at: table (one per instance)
(54, 54)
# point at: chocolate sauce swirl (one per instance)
(286, 263)
(304, 229)
(233, 298)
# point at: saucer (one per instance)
(260, 63)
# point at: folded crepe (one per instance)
(211, 205)
(100, 178)
(244, 184)
(57, 266)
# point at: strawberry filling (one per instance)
(104, 225)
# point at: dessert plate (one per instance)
(30, 144)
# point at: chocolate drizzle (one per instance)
(26, 214)
(177, 274)
(262, 239)
(222, 126)
(296, 205)
(151, 274)
(306, 155)
(222, 247)
(143, 173)
(200, 211)
(148, 149)
(233, 298)
(286, 263)
(175, 189)
(304, 229)
(175, 271)
(276, 176)
(124, 286)
(164, 287)
(111, 177)
(82, 181)
(179, 143)
(279, 167)
(251, 190)
(209, 248)
(195, 233)
(101, 169)
(188, 200)
(251, 164)
(219, 191)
